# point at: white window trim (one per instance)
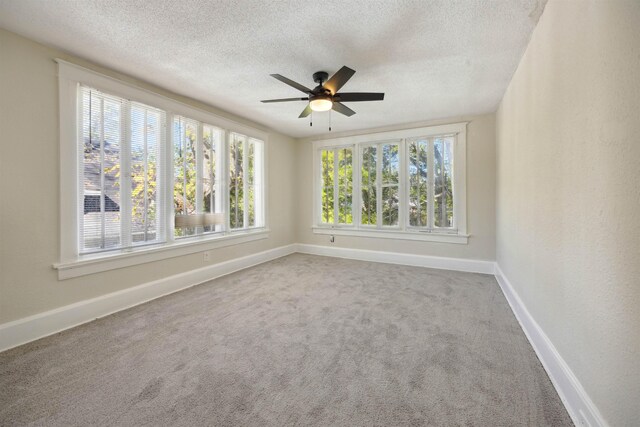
(402, 231)
(98, 263)
(71, 263)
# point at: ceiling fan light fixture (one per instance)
(327, 96)
(321, 103)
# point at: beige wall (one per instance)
(480, 198)
(568, 193)
(29, 207)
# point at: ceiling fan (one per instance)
(325, 96)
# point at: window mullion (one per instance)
(168, 161)
(102, 195)
(225, 180)
(160, 172)
(379, 186)
(443, 199)
(199, 177)
(402, 193)
(356, 193)
(235, 182)
(183, 148)
(146, 175)
(220, 174)
(125, 174)
(427, 198)
(430, 183)
(145, 165)
(245, 182)
(258, 183)
(80, 240)
(336, 187)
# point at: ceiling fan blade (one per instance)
(359, 96)
(339, 79)
(291, 83)
(342, 109)
(284, 100)
(305, 112)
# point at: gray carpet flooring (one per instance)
(302, 340)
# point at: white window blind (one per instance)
(147, 143)
(119, 186)
(143, 165)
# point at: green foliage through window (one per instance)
(403, 183)
(337, 186)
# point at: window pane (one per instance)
(368, 176)
(250, 176)
(145, 142)
(390, 205)
(345, 186)
(210, 197)
(184, 190)
(256, 164)
(390, 178)
(101, 130)
(327, 159)
(92, 186)
(418, 190)
(443, 171)
(236, 182)
(111, 167)
(390, 164)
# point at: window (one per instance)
(118, 182)
(150, 172)
(245, 187)
(380, 184)
(337, 186)
(211, 179)
(197, 201)
(418, 183)
(410, 185)
(431, 182)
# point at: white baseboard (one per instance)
(457, 264)
(579, 406)
(31, 328)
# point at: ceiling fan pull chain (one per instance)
(329, 120)
(311, 119)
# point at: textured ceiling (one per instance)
(433, 59)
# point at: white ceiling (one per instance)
(433, 59)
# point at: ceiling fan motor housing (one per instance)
(320, 77)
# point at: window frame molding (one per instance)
(403, 231)
(71, 263)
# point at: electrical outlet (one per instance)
(332, 239)
(207, 256)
